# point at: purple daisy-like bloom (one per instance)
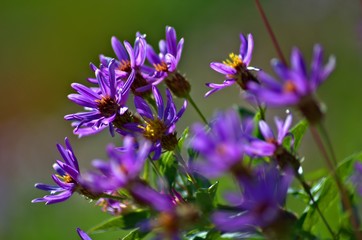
(83, 235)
(297, 84)
(124, 166)
(67, 178)
(105, 106)
(264, 194)
(237, 68)
(128, 58)
(159, 128)
(166, 61)
(224, 145)
(282, 129)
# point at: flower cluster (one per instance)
(158, 181)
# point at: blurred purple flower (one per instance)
(174, 215)
(297, 85)
(236, 69)
(83, 235)
(282, 129)
(159, 128)
(264, 194)
(356, 177)
(124, 166)
(223, 145)
(105, 106)
(67, 178)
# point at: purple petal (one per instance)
(223, 68)
(118, 49)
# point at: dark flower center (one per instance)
(107, 106)
(125, 66)
(169, 141)
(154, 130)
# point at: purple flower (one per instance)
(236, 69)
(83, 235)
(67, 178)
(124, 166)
(166, 61)
(263, 196)
(297, 85)
(174, 216)
(282, 129)
(128, 58)
(105, 106)
(159, 128)
(356, 178)
(223, 146)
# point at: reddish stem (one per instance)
(270, 32)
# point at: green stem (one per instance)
(328, 141)
(155, 168)
(184, 165)
(146, 171)
(189, 98)
(347, 205)
(118, 198)
(306, 188)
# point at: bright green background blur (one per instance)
(47, 45)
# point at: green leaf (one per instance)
(168, 167)
(244, 112)
(183, 137)
(205, 198)
(135, 234)
(327, 196)
(126, 221)
(298, 132)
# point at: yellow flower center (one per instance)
(161, 67)
(234, 61)
(154, 130)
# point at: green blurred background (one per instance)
(47, 45)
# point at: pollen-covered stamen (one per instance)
(67, 178)
(234, 61)
(289, 86)
(161, 67)
(154, 130)
(125, 66)
(107, 106)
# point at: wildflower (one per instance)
(174, 215)
(224, 145)
(236, 69)
(105, 106)
(83, 235)
(131, 59)
(67, 178)
(121, 170)
(165, 64)
(260, 206)
(158, 128)
(297, 86)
